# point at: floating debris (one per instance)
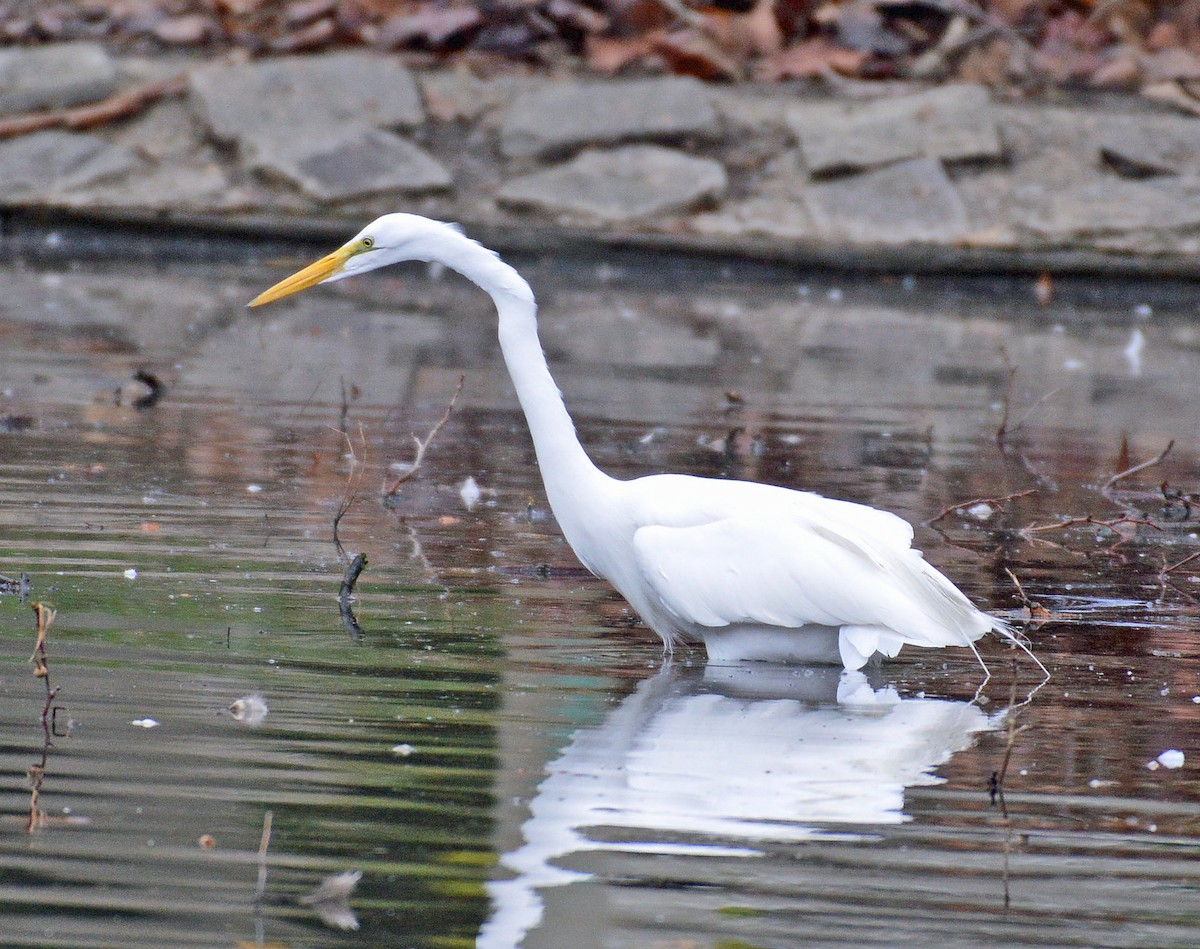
(1170, 759)
(470, 493)
(155, 390)
(130, 574)
(403, 750)
(330, 900)
(249, 710)
(144, 723)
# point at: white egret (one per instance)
(752, 570)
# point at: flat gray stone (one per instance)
(365, 161)
(559, 118)
(54, 77)
(44, 165)
(623, 184)
(173, 186)
(1143, 145)
(775, 209)
(313, 98)
(1114, 206)
(954, 123)
(908, 202)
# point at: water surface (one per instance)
(492, 739)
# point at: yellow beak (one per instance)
(323, 269)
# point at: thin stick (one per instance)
(1157, 459)
(1029, 412)
(995, 502)
(261, 890)
(1186, 560)
(41, 669)
(1002, 429)
(1111, 524)
(353, 480)
(389, 490)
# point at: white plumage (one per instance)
(753, 571)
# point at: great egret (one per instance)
(752, 570)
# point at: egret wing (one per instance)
(787, 573)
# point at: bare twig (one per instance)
(261, 890)
(1006, 401)
(353, 481)
(389, 489)
(41, 669)
(1175, 566)
(997, 502)
(1112, 524)
(1020, 589)
(1157, 459)
(119, 106)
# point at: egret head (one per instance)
(391, 239)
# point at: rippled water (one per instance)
(490, 738)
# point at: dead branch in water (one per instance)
(261, 890)
(1121, 475)
(353, 482)
(1111, 524)
(1165, 571)
(1006, 400)
(41, 669)
(996, 502)
(389, 490)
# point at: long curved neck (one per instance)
(566, 469)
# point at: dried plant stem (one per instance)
(261, 890)
(1112, 524)
(353, 481)
(1157, 459)
(389, 488)
(1175, 566)
(995, 502)
(41, 669)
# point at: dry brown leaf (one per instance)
(811, 59)
(1122, 463)
(747, 35)
(609, 56)
(692, 53)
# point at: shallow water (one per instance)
(491, 739)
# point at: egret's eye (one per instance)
(367, 243)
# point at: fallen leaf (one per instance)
(692, 53)
(746, 35)
(609, 56)
(812, 59)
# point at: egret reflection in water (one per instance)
(742, 753)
